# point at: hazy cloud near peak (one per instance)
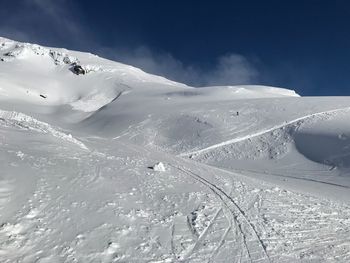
(230, 69)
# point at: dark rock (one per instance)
(77, 69)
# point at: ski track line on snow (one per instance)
(232, 215)
(201, 236)
(221, 194)
(249, 136)
(291, 176)
(221, 243)
(172, 246)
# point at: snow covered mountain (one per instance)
(102, 162)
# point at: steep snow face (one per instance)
(119, 101)
(327, 141)
(42, 75)
(45, 76)
(313, 148)
(117, 165)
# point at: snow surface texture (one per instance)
(117, 165)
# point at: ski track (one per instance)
(201, 237)
(252, 135)
(262, 217)
(237, 213)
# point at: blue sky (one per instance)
(302, 45)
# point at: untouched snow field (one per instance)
(117, 165)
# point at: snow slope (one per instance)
(117, 165)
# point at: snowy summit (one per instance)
(239, 173)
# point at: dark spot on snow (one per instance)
(77, 69)
(43, 96)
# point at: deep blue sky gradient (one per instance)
(302, 45)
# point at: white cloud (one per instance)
(231, 69)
